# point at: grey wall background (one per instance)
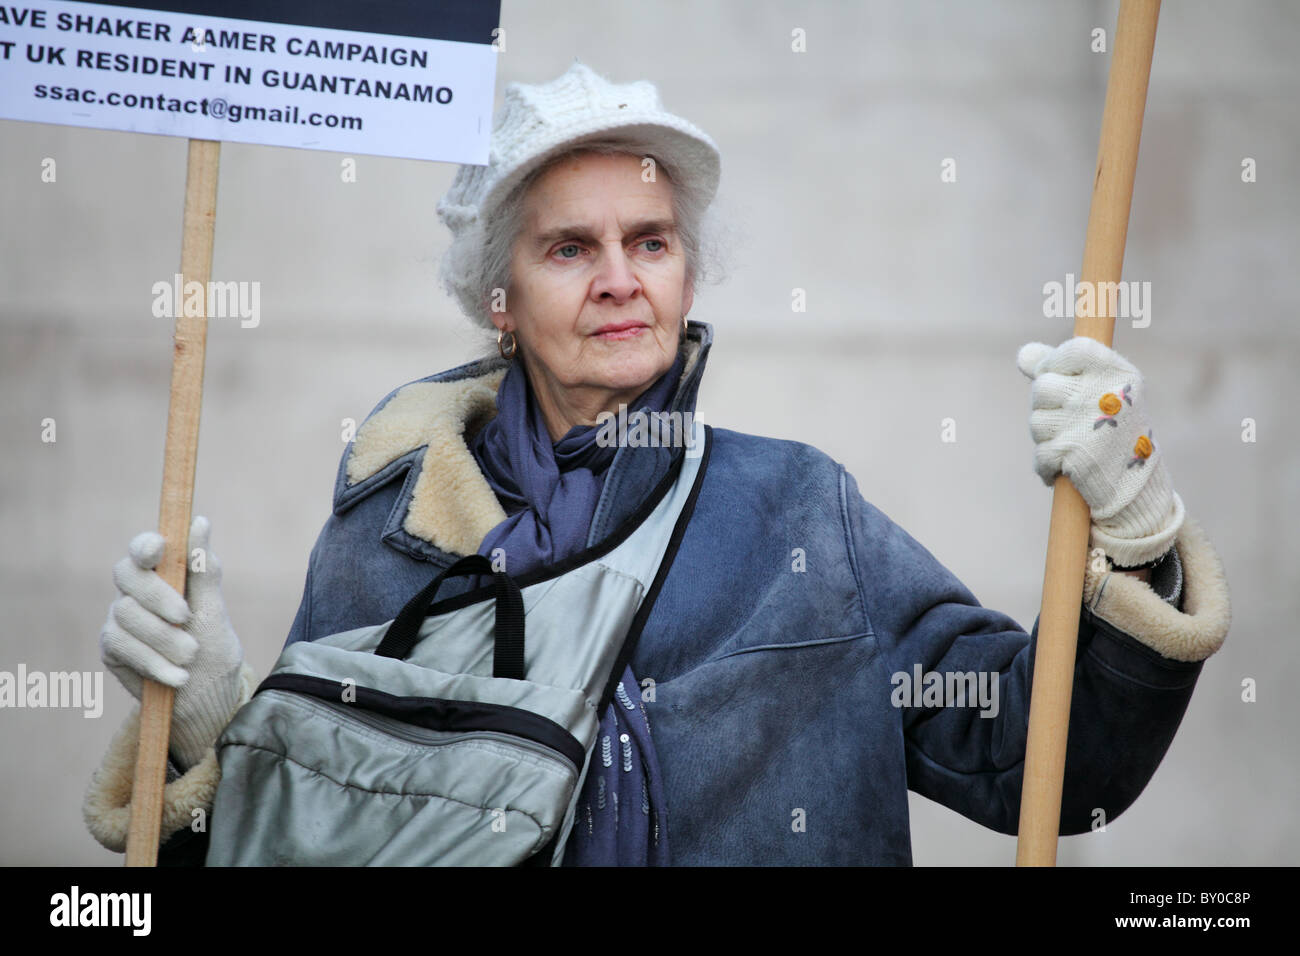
(919, 295)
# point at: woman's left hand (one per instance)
(1088, 420)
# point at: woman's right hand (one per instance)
(190, 645)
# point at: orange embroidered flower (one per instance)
(1143, 447)
(1110, 403)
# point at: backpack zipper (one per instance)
(423, 735)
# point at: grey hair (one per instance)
(492, 270)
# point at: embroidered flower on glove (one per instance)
(1111, 458)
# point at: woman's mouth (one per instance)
(619, 330)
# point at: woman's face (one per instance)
(598, 283)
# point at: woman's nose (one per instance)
(615, 277)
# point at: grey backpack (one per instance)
(457, 733)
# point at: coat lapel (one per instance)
(445, 506)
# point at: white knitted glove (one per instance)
(152, 633)
(1089, 422)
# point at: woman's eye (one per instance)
(570, 245)
(648, 241)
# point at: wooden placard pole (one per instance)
(1067, 543)
(179, 456)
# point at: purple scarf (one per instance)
(549, 491)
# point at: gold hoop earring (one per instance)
(685, 328)
(514, 345)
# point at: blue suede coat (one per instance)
(773, 709)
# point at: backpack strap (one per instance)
(694, 467)
(508, 653)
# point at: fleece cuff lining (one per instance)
(1192, 634)
(107, 805)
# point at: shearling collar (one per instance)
(446, 506)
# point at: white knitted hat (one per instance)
(536, 122)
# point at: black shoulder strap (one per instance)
(508, 656)
(647, 604)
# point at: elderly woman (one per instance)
(786, 690)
